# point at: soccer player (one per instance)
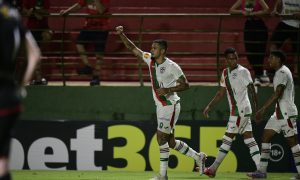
(237, 83)
(12, 34)
(284, 117)
(167, 78)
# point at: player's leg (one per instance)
(231, 131)
(181, 146)
(185, 149)
(100, 42)
(223, 150)
(164, 129)
(253, 147)
(81, 41)
(272, 127)
(6, 125)
(290, 133)
(164, 151)
(246, 130)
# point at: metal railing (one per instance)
(218, 21)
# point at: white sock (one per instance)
(296, 155)
(225, 147)
(265, 156)
(183, 148)
(254, 151)
(164, 159)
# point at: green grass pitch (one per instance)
(116, 175)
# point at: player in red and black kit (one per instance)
(12, 35)
(95, 32)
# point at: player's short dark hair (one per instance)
(277, 53)
(230, 50)
(162, 43)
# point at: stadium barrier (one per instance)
(130, 146)
(123, 103)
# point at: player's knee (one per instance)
(163, 139)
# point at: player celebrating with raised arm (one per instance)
(284, 117)
(167, 78)
(236, 81)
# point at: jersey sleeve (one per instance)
(282, 78)
(246, 77)
(147, 57)
(222, 80)
(177, 71)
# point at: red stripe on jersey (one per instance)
(290, 123)
(238, 121)
(153, 85)
(173, 116)
(228, 87)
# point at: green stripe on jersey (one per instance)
(156, 86)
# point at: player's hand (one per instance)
(206, 111)
(259, 115)
(162, 91)
(119, 29)
(274, 13)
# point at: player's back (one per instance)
(11, 35)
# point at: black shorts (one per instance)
(98, 38)
(8, 118)
(10, 109)
(37, 34)
(283, 32)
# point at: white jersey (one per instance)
(285, 107)
(290, 7)
(163, 75)
(236, 82)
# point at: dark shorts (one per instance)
(10, 109)
(283, 32)
(98, 38)
(37, 34)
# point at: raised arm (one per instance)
(100, 7)
(235, 8)
(74, 7)
(274, 98)
(264, 11)
(221, 92)
(276, 7)
(128, 43)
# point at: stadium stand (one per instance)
(192, 39)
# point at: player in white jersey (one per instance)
(237, 83)
(167, 78)
(285, 115)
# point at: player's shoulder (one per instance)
(283, 71)
(146, 55)
(243, 69)
(171, 62)
(9, 13)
